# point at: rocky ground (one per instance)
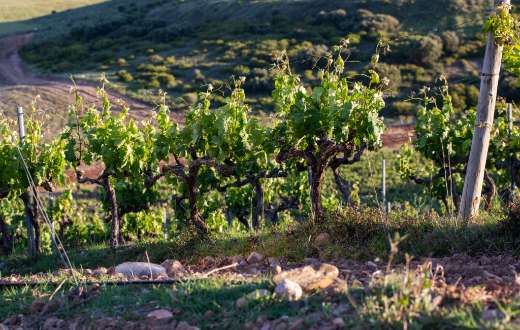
(483, 280)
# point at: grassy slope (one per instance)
(16, 15)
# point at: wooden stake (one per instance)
(27, 196)
(472, 192)
(383, 185)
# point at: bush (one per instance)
(428, 50)
(335, 16)
(190, 98)
(155, 58)
(121, 62)
(403, 108)
(377, 23)
(241, 70)
(450, 41)
(125, 76)
(308, 56)
(393, 73)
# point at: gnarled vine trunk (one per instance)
(115, 230)
(32, 223)
(195, 217)
(6, 240)
(316, 178)
(258, 203)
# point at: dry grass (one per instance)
(16, 10)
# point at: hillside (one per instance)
(182, 46)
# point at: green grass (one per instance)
(385, 305)
(359, 235)
(356, 235)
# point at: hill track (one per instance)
(17, 80)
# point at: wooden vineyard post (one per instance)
(510, 132)
(383, 186)
(27, 196)
(472, 191)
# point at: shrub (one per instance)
(403, 108)
(334, 16)
(190, 98)
(377, 23)
(428, 51)
(155, 58)
(392, 73)
(170, 60)
(451, 42)
(121, 62)
(125, 76)
(242, 70)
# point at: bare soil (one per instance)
(19, 86)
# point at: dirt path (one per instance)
(17, 80)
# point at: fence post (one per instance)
(383, 185)
(31, 242)
(510, 132)
(166, 224)
(472, 192)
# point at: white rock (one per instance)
(138, 269)
(174, 268)
(255, 258)
(338, 322)
(160, 314)
(241, 302)
(289, 290)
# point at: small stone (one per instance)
(173, 268)
(53, 323)
(252, 270)
(160, 314)
(296, 324)
(3, 327)
(255, 258)
(258, 294)
(310, 277)
(338, 322)
(274, 265)
(185, 326)
(312, 261)
(51, 306)
(208, 261)
(371, 264)
(491, 315)
(281, 326)
(37, 306)
(322, 240)
(236, 259)
(14, 320)
(338, 286)
(289, 290)
(88, 271)
(100, 271)
(241, 302)
(138, 269)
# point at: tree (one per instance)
(334, 118)
(216, 149)
(117, 143)
(44, 161)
